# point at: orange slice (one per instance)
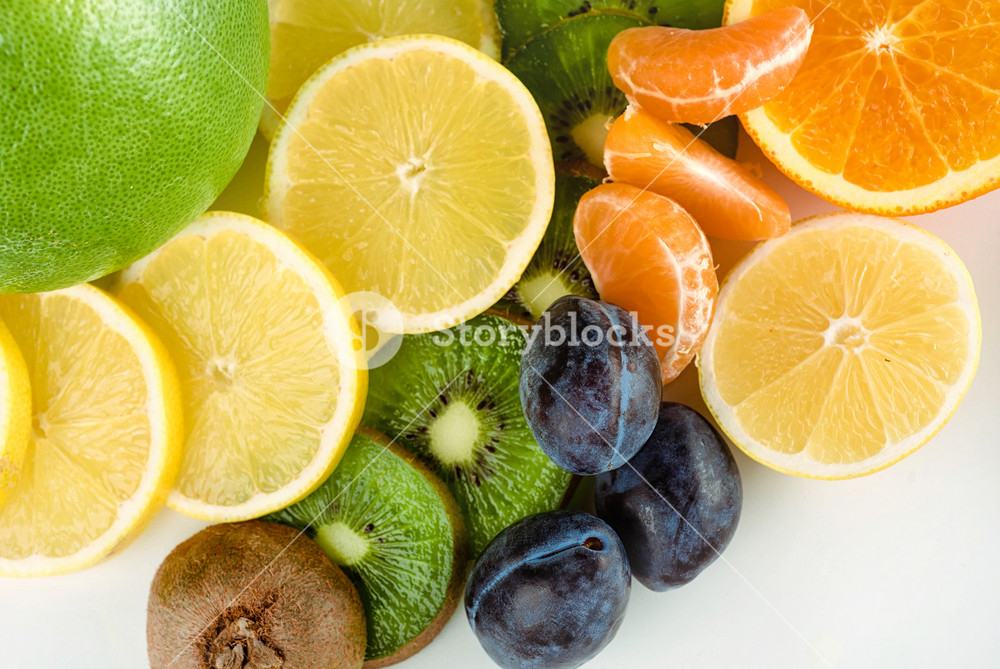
(896, 109)
(647, 255)
(700, 76)
(723, 196)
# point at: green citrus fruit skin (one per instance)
(120, 122)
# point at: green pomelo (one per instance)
(122, 121)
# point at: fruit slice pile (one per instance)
(263, 342)
(894, 111)
(106, 431)
(841, 347)
(458, 167)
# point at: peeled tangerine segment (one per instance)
(271, 391)
(724, 197)
(648, 256)
(700, 76)
(841, 347)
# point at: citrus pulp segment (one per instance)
(725, 198)
(106, 431)
(894, 111)
(701, 76)
(842, 346)
(419, 169)
(307, 33)
(262, 340)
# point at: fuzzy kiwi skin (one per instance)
(460, 558)
(302, 609)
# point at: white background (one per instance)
(899, 569)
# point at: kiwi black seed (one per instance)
(520, 20)
(451, 398)
(566, 70)
(253, 595)
(397, 533)
(556, 269)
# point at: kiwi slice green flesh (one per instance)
(395, 530)
(451, 398)
(556, 269)
(566, 70)
(520, 20)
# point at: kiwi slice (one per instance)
(451, 398)
(566, 70)
(520, 20)
(395, 530)
(556, 269)
(253, 595)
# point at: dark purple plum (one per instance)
(549, 591)
(684, 469)
(590, 385)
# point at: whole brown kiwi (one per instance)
(253, 595)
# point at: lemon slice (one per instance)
(263, 343)
(841, 347)
(15, 412)
(105, 433)
(419, 169)
(307, 33)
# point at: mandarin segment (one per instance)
(647, 255)
(724, 197)
(686, 76)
